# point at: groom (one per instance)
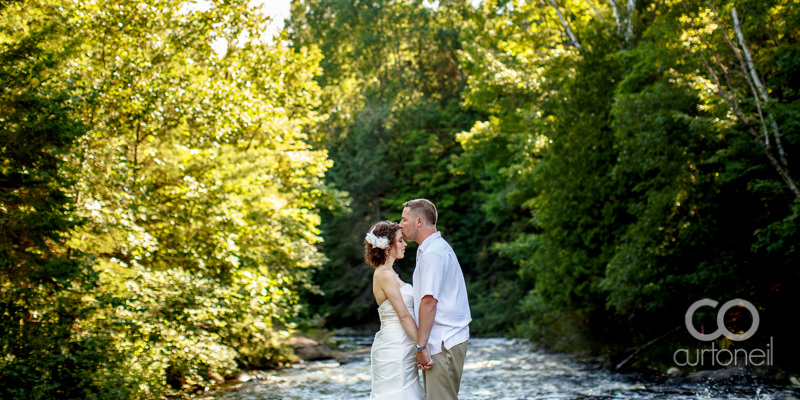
(440, 303)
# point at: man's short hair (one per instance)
(423, 208)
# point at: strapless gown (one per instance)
(394, 357)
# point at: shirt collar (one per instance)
(427, 242)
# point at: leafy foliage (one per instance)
(163, 219)
(42, 283)
(645, 187)
(168, 171)
(394, 94)
(611, 156)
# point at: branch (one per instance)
(575, 41)
(761, 89)
(645, 346)
(746, 76)
(595, 11)
(738, 28)
(784, 175)
(763, 25)
(734, 106)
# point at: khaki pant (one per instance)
(443, 380)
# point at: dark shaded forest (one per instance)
(181, 192)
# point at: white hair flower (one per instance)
(381, 242)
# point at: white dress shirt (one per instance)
(438, 274)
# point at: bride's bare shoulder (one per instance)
(382, 274)
(386, 279)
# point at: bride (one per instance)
(394, 362)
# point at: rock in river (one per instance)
(239, 376)
(215, 376)
(718, 375)
(310, 350)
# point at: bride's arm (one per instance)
(388, 283)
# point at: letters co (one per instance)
(721, 329)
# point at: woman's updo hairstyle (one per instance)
(376, 256)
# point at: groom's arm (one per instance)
(427, 313)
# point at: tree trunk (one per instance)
(616, 14)
(631, 12)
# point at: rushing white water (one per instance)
(497, 369)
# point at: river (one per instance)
(497, 369)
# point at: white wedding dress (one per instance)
(394, 358)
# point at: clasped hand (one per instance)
(424, 360)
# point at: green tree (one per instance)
(182, 146)
(394, 94)
(704, 190)
(197, 173)
(636, 137)
(47, 351)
